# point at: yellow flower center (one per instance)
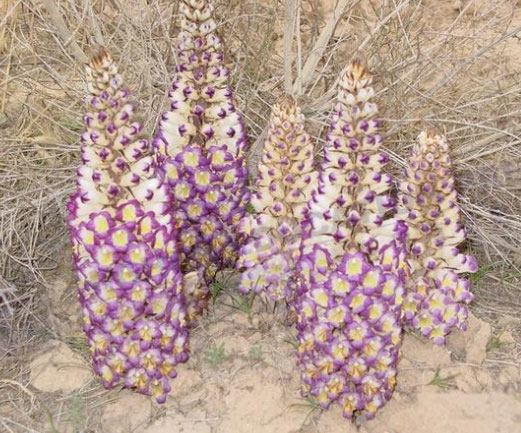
(129, 213)
(101, 224)
(120, 238)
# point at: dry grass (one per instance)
(435, 65)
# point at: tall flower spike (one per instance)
(437, 295)
(200, 146)
(124, 246)
(283, 188)
(351, 268)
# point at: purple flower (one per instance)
(436, 295)
(124, 248)
(350, 267)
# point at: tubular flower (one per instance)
(283, 188)
(352, 265)
(124, 246)
(436, 296)
(200, 146)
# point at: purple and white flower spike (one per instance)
(352, 265)
(200, 147)
(124, 246)
(283, 188)
(437, 295)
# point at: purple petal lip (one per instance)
(111, 128)
(210, 92)
(87, 118)
(113, 190)
(364, 158)
(353, 178)
(94, 136)
(102, 116)
(354, 144)
(416, 250)
(473, 264)
(182, 130)
(198, 111)
(104, 153)
(425, 228)
(353, 218)
(346, 129)
(340, 201)
(369, 197)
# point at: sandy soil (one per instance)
(242, 378)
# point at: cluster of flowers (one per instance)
(352, 263)
(283, 188)
(200, 146)
(151, 224)
(353, 266)
(437, 295)
(124, 246)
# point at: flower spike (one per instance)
(437, 295)
(200, 147)
(286, 178)
(351, 268)
(124, 245)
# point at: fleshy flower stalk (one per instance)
(283, 188)
(200, 146)
(436, 294)
(351, 269)
(124, 246)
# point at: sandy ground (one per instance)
(242, 378)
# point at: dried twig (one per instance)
(320, 46)
(289, 34)
(66, 36)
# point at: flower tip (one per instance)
(430, 140)
(357, 67)
(286, 100)
(429, 133)
(100, 59)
